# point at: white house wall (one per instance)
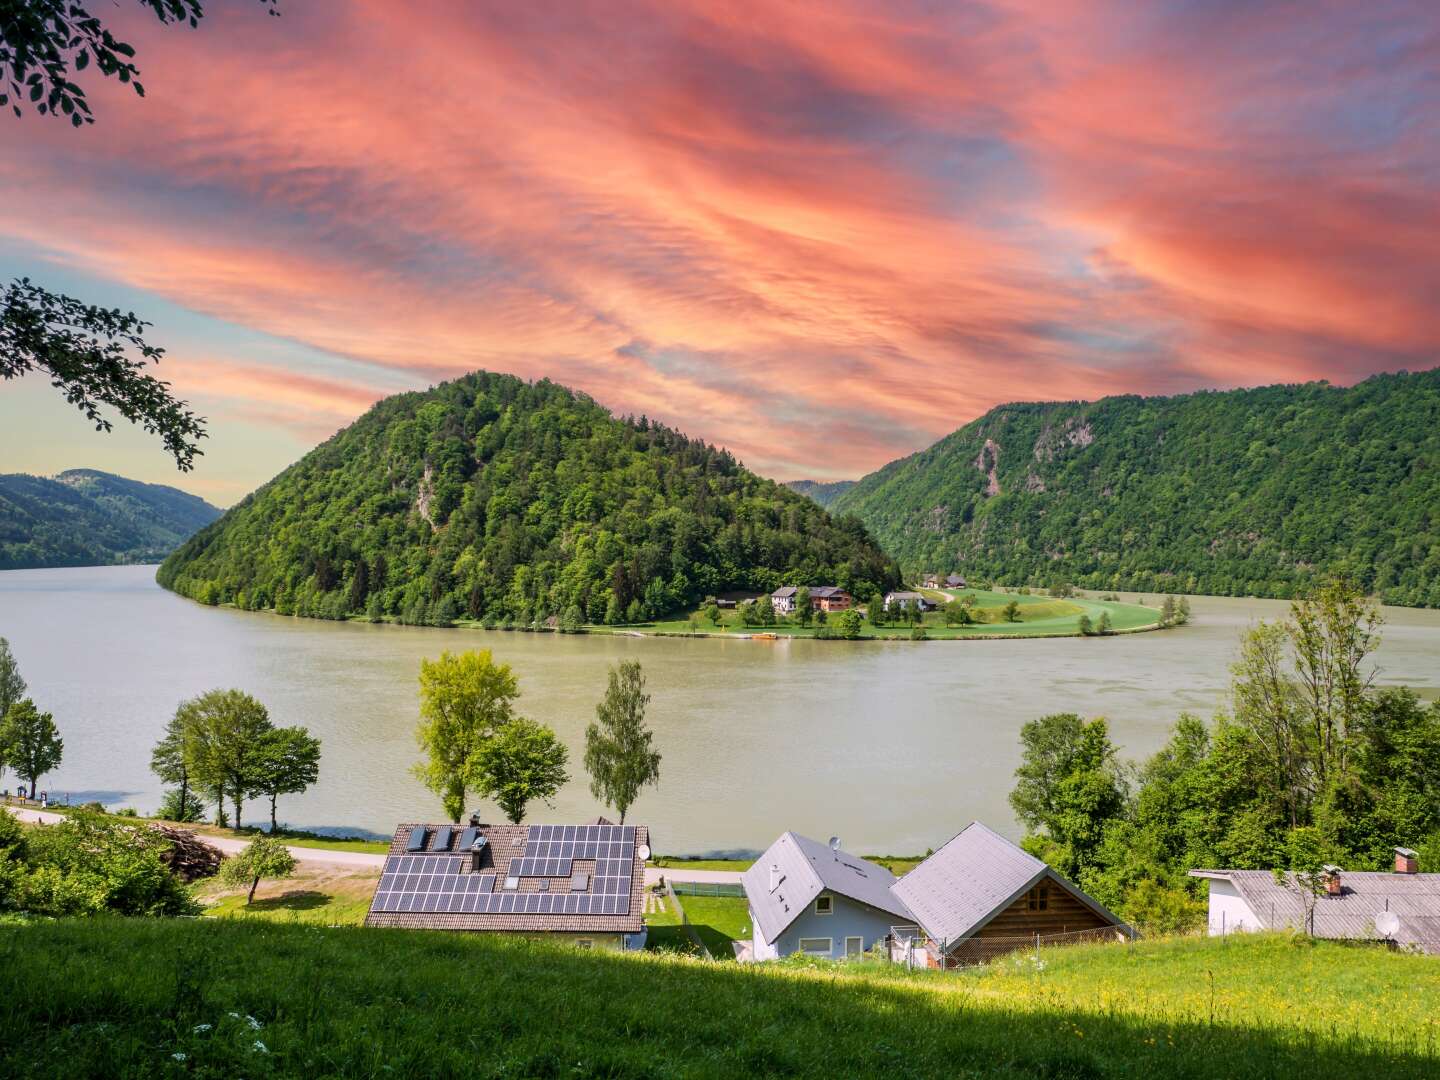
(1229, 913)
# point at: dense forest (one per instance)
(496, 499)
(85, 517)
(822, 493)
(1241, 492)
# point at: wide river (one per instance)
(893, 746)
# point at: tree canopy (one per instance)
(465, 698)
(496, 499)
(522, 762)
(30, 742)
(263, 857)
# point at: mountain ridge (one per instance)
(491, 498)
(1257, 491)
(87, 517)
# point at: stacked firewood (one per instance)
(188, 856)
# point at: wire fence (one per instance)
(685, 922)
(708, 888)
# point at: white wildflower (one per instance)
(178, 1056)
(259, 1047)
(255, 1025)
(200, 1029)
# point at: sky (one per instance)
(821, 235)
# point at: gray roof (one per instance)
(806, 869)
(973, 878)
(1415, 898)
(785, 590)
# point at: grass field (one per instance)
(142, 998)
(719, 921)
(320, 894)
(1040, 616)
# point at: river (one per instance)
(893, 746)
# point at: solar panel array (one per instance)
(439, 882)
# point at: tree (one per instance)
(618, 755)
(12, 688)
(802, 605)
(465, 699)
(522, 761)
(1182, 611)
(1012, 611)
(171, 759)
(847, 625)
(45, 44)
(1103, 626)
(288, 762)
(263, 857)
(1068, 785)
(1085, 626)
(1167, 611)
(30, 742)
(875, 609)
(712, 612)
(229, 727)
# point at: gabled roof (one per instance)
(806, 868)
(785, 590)
(1414, 898)
(973, 878)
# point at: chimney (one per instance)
(1406, 861)
(1331, 877)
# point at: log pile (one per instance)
(187, 856)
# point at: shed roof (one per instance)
(806, 868)
(974, 877)
(1415, 898)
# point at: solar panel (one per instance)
(442, 838)
(532, 867)
(417, 839)
(467, 838)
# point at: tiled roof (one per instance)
(806, 869)
(503, 843)
(1414, 898)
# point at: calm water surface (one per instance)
(892, 746)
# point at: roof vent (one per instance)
(775, 876)
(1406, 861)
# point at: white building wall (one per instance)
(1229, 913)
(761, 949)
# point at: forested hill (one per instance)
(1233, 493)
(822, 493)
(492, 498)
(85, 517)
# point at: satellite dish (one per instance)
(834, 843)
(644, 852)
(1388, 923)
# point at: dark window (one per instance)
(1038, 898)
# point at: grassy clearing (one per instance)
(718, 920)
(1040, 616)
(240, 997)
(318, 893)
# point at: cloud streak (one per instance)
(821, 235)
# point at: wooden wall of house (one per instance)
(1016, 927)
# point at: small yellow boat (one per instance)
(766, 636)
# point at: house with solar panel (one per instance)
(978, 897)
(582, 884)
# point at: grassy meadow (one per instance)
(1039, 616)
(143, 998)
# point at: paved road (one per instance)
(364, 860)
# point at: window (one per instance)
(817, 946)
(512, 883)
(824, 905)
(584, 943)
(854, 946)
(1038, 898)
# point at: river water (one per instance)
(893, 746)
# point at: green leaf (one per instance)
(83, 60)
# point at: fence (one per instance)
(689, 928)
(708, 888)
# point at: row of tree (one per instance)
(222, 746)
(475, 742)
(1310, 764)
(30, 742)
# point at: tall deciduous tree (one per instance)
(618, 754)
(802, 605)
(172, 757)
(465, 698)
(12, 688)
(230, 727)
(30, 741)
(288, 762)
(521, 762)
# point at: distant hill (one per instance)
(824, 494)
(494, 498)
(1233, 493)
(85, 517)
